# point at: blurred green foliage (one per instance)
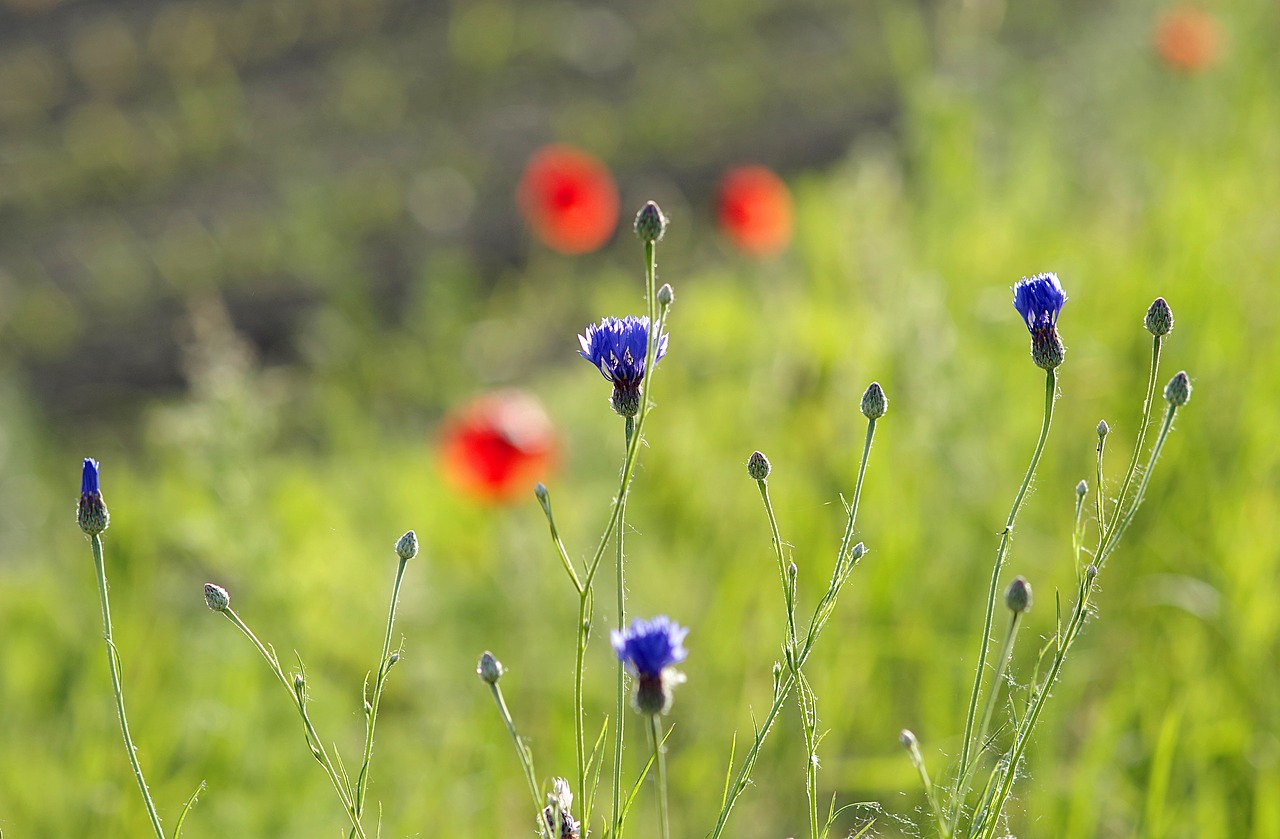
(270, 176)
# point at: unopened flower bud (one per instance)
(1018, 595)
(407, 546)
(650, 224)
(792, 571)
(1178, 392)
(874, 403)
(393, 660)
(666, 295)
(490, 669)
(908, 739)
(216, 597)
(1091, 572)
(91, 511)
(299, 684)
(1082, 489)
(758, 466)
(1159, 319)
(541, 493)
(1103, 428)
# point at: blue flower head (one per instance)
(649, 649)
(1039, 299)
(617, 346)
(91, 511)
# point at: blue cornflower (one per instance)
(91, 511)
(1039, 299)
(617, 346)
(649, 649)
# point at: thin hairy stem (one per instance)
(655, 731)
(314, 743)
(522, 753)
(962, 789)
(113, 666)
(371, 712)
(620, 724)
(1109, 532)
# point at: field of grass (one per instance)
(289, 485)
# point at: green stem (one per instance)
(113, 666)
(1028, 724)
(1005, 649)
(655, 730)
(788, 594)
(314, 743)
(619, 724)
(962, 791)
(808, 701)
(1109, 532)
(782, 689)
(371, 714)
(522, 753)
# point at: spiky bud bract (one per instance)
(407, 546)
(1178, 392)
(650, 224)
(1159, 319)
(874, 403)
(758, 466)
(216, 597)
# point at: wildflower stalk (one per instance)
(314, 743)
(1006, 648)
(619, 725)
(1067, 639)
(113, 666)
(371, 708)
(966, 752)
(912, 745)
(847, 559)
(655, 731)
(522, 754)
(1108, 532)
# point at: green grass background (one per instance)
(290, 484)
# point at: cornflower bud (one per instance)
(666, 295)
(874, 403)
(216, 597)
(1103, 428)
(1178, 392)
(758, 466)
(1018, 595)
(489, 670)
(1159, 319)
(91, 511)
(407, 546)
(650, 223)
(1082, 489)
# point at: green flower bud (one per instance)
(874, 403)
(407, 546)
(216, 597)
(1082, 489)
(908, 739)
(1018, 595)
(489, 670)
(1103, 428)
(1178, 392)
(758, 466)
(650, 224)
(1159, 319)
(666, 295)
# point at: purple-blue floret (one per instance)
(1039, 299)
(89, 478)
(649, 647)
(617, 346)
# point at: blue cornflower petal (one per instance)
(89, 478)
(617, 346)
(1039, 299)
(649, 647)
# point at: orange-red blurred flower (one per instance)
(569, 199)
(753, 206)
(1187, 39)
(497, 446)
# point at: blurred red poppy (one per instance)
(497, 446)
(753, 206)
(1187, 39)
(569, 199)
